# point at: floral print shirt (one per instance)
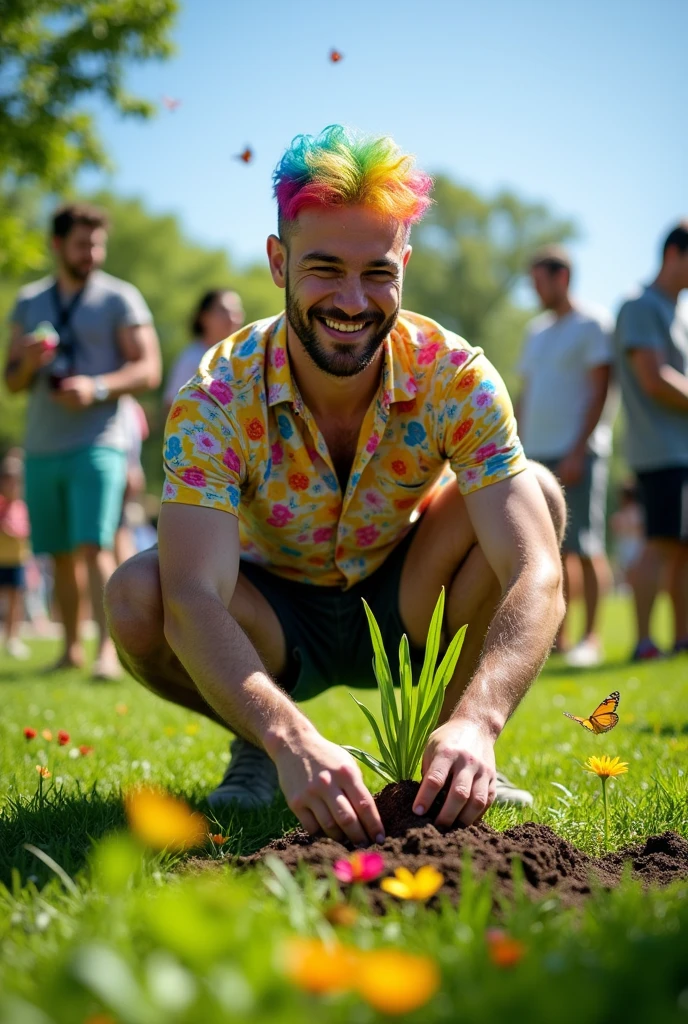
(240, 438)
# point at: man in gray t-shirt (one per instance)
(651, 343)
(80, 340)
(565, 421)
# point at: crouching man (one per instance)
(344, 449)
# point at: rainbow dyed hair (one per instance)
(341, 167)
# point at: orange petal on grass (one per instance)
(163, 822)
(47, 735)
(342, 914)
(84, 749)
(502, 949)
(317, 967)
(219, 839)
(393, 982)
(43, 771)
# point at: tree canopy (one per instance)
(54, 55)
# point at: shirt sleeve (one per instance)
(599, 349)
(18, 314)
(203, 455)
(639, 327)
(524, 363)
(480, 438)
(134, 308)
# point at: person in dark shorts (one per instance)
(14, 550)
(343, 449)
(652, 353)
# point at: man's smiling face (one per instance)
(343, 272)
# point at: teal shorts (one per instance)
(75, 498)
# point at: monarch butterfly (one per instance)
(246, 156)
(603, 718)
(335, 56)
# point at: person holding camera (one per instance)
(80, 340)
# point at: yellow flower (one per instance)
(163, 822)
(319, 967)
(605, 767)
(42, 771)
(192, 728)
(393, 982)
(407, 886)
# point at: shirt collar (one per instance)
(398, 383)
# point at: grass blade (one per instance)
(54, 866)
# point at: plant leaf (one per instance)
(450, 659)
(406, 686)
(432, 647)
(383, 674)
(369, 761)
(376, 729)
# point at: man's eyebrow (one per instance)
(324, 257)
(321, 257)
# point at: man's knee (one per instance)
(554, 496)
(133, 604)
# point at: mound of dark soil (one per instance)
(551, 865)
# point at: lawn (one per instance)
(134, 938)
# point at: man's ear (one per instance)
(277, 259)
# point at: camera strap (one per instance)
(63, 318)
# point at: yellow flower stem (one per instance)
(603, 780)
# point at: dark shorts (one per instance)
(586, 505)
(664, 497)
(11, 575)
(326, 630)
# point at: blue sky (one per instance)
(582, 105)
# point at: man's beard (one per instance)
(346, 360)
(77, 270)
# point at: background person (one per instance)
(14, 551)
(218, 314)
(553, 364)
(652, 350)
(565, 422)
(136, 430)
(75, 441)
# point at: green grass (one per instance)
(145, 943)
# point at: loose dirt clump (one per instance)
(551, 866)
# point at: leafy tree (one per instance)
(53, 56)
(469, 256)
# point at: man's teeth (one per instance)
(337, 325)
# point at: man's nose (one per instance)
(350, 297)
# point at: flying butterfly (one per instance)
(335, 56)
(246, 156)
(603, 718)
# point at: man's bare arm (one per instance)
(659, 380)
(199, 567)
(25, 357)
(515, 531)
(571, 468)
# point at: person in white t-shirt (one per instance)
(565, 417)
(218, 314)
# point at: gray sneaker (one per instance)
(250, 780)
(508, 793)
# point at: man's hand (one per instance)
(324, 787)
(462, 752)
(571, 468)
(33, 353)
(76, 392)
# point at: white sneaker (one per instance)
(585, 654)
(16, 648)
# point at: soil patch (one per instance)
(551, 865)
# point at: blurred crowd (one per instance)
(74, 501)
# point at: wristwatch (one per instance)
(101, 392)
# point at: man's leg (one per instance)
(100, 565)
(445, 553)
(133, 604)
(67, 596)
(646, 578)
(677, 588)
